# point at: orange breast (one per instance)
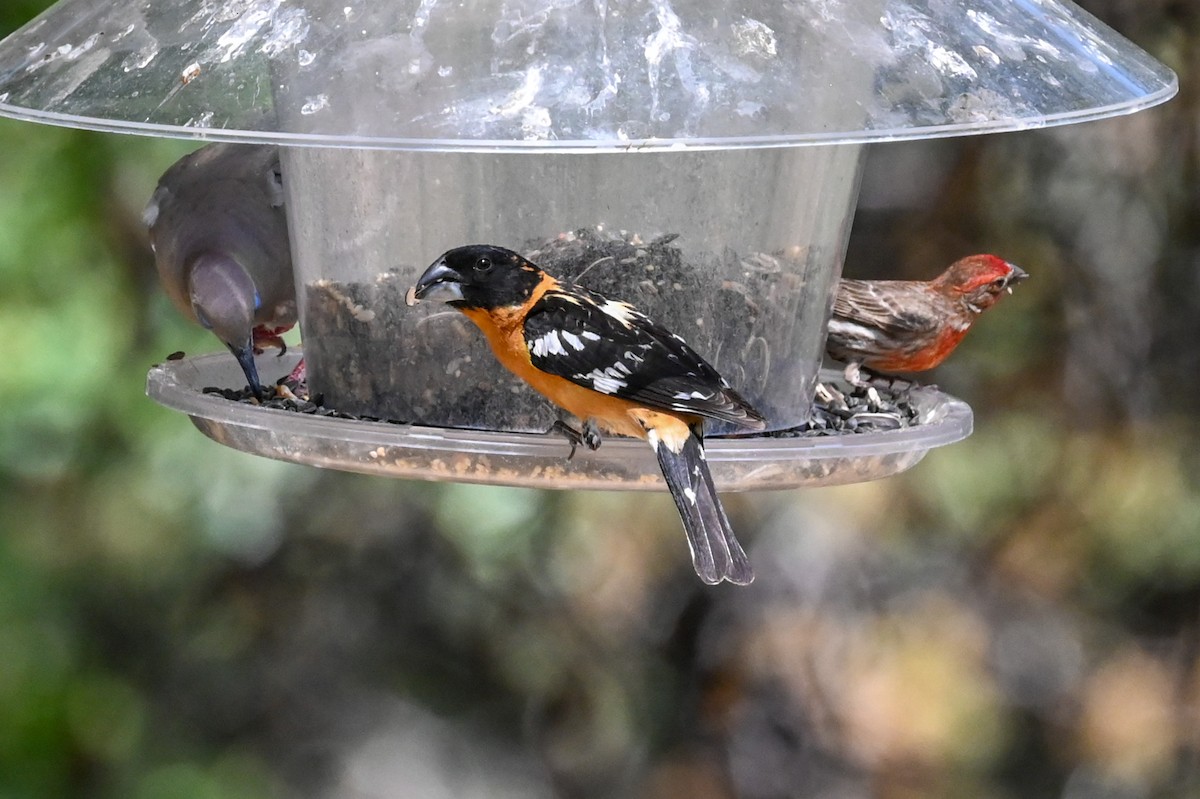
(506, 336)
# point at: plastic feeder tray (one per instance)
(536, 460)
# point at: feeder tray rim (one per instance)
(178, 385)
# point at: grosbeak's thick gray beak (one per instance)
(439, 282)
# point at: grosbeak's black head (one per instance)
(479, 276)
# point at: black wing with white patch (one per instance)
(611, 348)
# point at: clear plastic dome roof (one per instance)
(572, 75)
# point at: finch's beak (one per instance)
(439, 282)
(245, 358)
(1015, 276)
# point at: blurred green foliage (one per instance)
(1018, 616)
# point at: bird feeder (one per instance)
(698, 159)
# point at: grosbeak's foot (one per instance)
(573, 436)
(270, 337)
(589, 435)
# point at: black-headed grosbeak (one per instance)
(613, 368)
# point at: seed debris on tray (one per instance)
(295, 403)
(838, 409)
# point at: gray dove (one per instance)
(220, 240)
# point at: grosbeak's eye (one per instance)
(483, 266)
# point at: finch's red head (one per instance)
(979, 280)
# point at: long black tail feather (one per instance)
(716, 553)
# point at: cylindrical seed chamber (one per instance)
(734, 250)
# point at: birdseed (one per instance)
(838, 409)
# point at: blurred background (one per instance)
(1018, 616)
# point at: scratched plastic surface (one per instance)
(571, 74)
(539, 461)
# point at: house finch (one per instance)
(913, 325)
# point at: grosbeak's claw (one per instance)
(573, 436)
(590, 434)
